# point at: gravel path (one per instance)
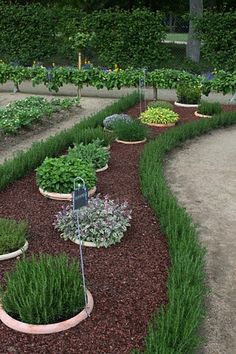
(89, 105)
(202, 176)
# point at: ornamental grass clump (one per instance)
(92, 153)
(43, 289)
(188, 93)
(159, 116)
(88, 135)
(209, 108)
(109, 121)
(160, 104)
(102, 222)
(12, 235)
(130, 130)
(58, 174)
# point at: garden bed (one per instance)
(128, 281)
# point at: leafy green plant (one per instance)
(209, 108)
(130, 130)
(110, 121)
(102, 222)
(58, 174)
(161, 104)
(92, 153)
(159, 116)
(12, 235)
(43, 289)
(188, 94)
(23, 113)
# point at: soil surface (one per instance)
(202, 176)
(127, 281)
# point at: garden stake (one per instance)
(80, 199)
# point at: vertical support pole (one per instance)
(79, 67)
(154, 93)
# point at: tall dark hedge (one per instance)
(35, 32)
(127, 38)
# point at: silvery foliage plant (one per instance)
(102, 222)
(109, 121)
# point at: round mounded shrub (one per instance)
(159, 116)
(43, 290)
(102, 222)
(109, 121)
(58, 174)
(130, 130)
(12, 235)
(188, 93)
(161, 104)
(93, 153)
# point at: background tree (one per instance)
(194, 44)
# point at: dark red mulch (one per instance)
(128, 280)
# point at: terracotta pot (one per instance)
(178, 104)
(102, 169)
(48, 328)
(84, 243)
(63, 196)
(107, 147)
(201, 115)
(14, 254)
(131, 142)
(161, 125)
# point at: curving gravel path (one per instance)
(202, 175)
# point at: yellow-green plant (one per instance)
(159, 116)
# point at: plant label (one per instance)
(80, 197)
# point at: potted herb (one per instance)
(159, 117)
(109, 121)
(130, 132)
(208, 109)
(44, 294)
(12, 238)
(160, 104)
(55, 177)
(88, 135)
(102, 223)
(188, 95)
(92, 153)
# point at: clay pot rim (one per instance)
(131, 142)
(48, 328)
(161, 125)
(102, 169)
(16, 253)
(61, 196)
(201, 115)
(85, 243)
(187, 105)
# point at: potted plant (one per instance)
(188, 95)
(88, 135)
(208, 109)
(12, 238)
(130, 132)
(108, 122)
(92, 153)
(55, 177)
(161, 104)
(44, 294)
(159, 117)
(102, 223)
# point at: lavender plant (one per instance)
(109, 121)
(102, 222)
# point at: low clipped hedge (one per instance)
(174, 329)
(24, 162)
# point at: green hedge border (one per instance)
(174, 329)
(24, 162)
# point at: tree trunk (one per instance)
(193, 45)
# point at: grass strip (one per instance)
(174, 329)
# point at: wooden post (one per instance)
(79, 67)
